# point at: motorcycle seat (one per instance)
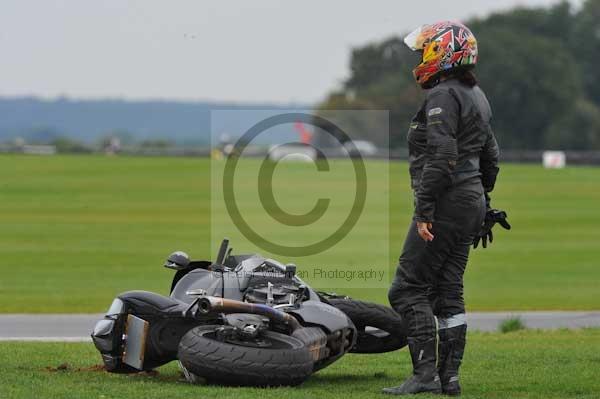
(145, 302)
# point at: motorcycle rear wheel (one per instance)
(380, 328)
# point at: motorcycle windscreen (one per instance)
(135, 343)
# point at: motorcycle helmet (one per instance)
(444, 47)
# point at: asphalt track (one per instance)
(77, 327)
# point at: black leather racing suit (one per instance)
(453, 158)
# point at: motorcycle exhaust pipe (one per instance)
(213, 304)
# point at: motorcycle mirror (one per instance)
(178, 260)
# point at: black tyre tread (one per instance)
(225, 363)
(375, 315)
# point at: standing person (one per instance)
(453, 158)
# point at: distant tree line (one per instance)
(540, 68)
(64, 143)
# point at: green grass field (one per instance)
(76, 231)
(530, 364)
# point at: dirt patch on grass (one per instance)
(60, 367)
(97, 368)
(68, 367)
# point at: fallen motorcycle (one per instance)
(241, 320)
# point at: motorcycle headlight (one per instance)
(104, 336)
(103, 328)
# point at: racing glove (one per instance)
(492, 217)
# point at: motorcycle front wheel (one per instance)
(273, 359)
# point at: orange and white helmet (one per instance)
(444, 46)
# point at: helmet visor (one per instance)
(416, 39)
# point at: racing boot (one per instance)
(425, 375)
(451, 350)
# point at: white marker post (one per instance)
(554, 159)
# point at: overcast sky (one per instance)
(242, 50)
